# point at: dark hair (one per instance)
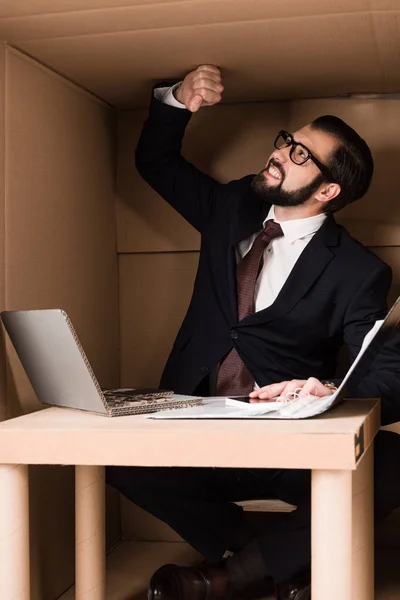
(351, 163)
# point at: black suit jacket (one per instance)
(333, 296)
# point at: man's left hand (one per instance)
(304, 387)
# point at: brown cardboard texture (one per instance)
(58, 251)
(289, 49)
(80, 230)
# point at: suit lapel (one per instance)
(249, 219)
(312, 262)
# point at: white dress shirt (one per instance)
(280, 256)
(166, 95)
(282, 253)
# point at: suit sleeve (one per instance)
(381, 378)
(194, 194)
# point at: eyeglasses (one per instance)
(300, 154)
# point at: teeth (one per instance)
(274, 172)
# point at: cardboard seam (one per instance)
(7, 378)
(379, 57)
(115, 148)
(202, 25)
(5, 138)
(90, 10)
(35, 62)
(177, 3)
(200, 4)
(4, 384)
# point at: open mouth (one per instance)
(273, 172)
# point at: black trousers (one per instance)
(198, 503)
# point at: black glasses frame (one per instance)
(290, 142)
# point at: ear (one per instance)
(327, 192)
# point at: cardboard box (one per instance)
(78, 227)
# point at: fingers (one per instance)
(209, 69)
(204, 83)
(267, 392)
(206, 77)
(195, 103)
(291, 387)
(314, 387)
(204, 95)
(209, 88)
(304, 387)
(203, 74)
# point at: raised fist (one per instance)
(201, 87)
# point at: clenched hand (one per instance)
(201, 87)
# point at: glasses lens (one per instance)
(282, 141)
(300, 154)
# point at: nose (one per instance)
(281, 155)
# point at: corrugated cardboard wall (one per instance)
(58, 252)
(58, 245)
(274, 50)
(158, 250)
(2, 230)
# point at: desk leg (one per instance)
(14, 533)
(331, 535)
(343, 533)
(90, 533)
(363, 528)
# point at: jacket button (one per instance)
(234, 334)
(204, 369)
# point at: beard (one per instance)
(279, 197)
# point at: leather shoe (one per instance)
(298, 588)
(191, 583)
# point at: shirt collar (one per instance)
(297, 228)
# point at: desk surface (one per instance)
(335, 440)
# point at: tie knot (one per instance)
(272, 230)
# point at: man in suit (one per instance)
(280, 288)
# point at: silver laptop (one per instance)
(59, 371)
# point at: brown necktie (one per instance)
(233, 377)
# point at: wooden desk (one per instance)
(336, 446)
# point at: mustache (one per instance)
(276, 165)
